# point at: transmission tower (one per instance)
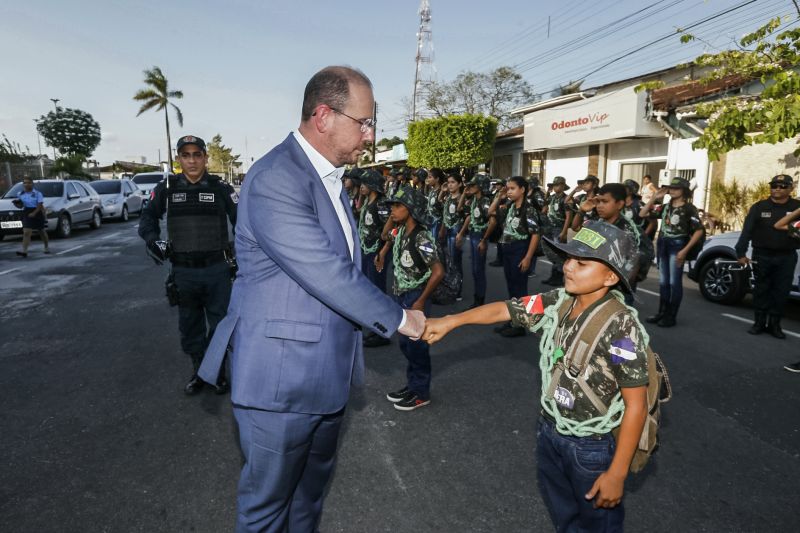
(425, 72)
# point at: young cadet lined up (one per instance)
(558, 218)
(417, 271)
(453, 216)
(587, 390)
(479, 225)
(520, 239)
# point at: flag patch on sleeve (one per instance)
(623, 350)
(533, 304)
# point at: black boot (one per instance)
(195, 384)
(759, 326)
(668, 320)
(774, 327)
(662, 307)
(477, 301)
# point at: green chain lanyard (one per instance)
(450, 220)
(472, 225)
(404, 281)
(510, 231)
(549, 356)
(363, 232)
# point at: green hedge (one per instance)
(452, 141)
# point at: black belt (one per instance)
(198, 262)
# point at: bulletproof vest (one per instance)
(196, 219)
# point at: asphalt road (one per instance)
(96, 435)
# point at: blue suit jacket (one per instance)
(299, 299)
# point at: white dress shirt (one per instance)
(332, 180)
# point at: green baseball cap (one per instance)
(414, 200)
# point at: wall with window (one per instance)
(635, 158)
(572, 163)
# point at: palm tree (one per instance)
(158, 95)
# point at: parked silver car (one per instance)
(67, 203)
(147, 181)
(720, 278)
(120, 198)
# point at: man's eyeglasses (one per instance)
(779, 186)
(366, 123)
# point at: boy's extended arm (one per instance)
(437, 328)
(609, 486)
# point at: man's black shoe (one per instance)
(496, 263)
(400, 395)
(794, 367)
(757, 329)
(194, 386)
(667, 321)
(513, 332)
(775, 329)
(221, 387)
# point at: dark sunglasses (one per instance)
(779, 186)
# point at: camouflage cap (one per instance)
(679, 183)
(559, 180)
(591, 178)
(632, 186)
(481, 181)
(353, 174)
(421, 173)
(414, 200)
(602, 242)
(394, 171)
(373, 180)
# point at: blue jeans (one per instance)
(418, 371)
(369, 270)
(516, 281)
(567, 467)
(478, 264)
(454, 254)
(670, 275)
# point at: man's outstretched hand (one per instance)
(414, 326)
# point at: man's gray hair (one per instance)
(331, 86)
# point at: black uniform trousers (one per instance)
(203, 297)
(773, 270)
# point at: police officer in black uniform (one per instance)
(774, 255)
(198, 206)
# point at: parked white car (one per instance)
(120, 198)
(147, 181)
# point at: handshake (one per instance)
(418, 327)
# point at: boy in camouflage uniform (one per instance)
(581, 466)
(558, 218)
(478, 225)
(416, 273)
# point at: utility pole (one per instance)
(374, 131)
(425, 71)
(55, 105)
(39, 142)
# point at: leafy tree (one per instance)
(70, 165)
(494, 94)
(71, 131)
(451, 141)
(12, 152)
(221, 159)
(764, 56)
(157, 95)
(388, 144)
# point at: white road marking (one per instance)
(750, 321)
(8, 271)
(70, 250)
(110, 235)
(639, 289)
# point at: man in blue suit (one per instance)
(297, 308)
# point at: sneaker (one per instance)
(47, 250)
(459, 298)
(411, 403)
(793, 368)
(400, 395)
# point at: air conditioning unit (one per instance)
(665, 176)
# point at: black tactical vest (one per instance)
(197, 221)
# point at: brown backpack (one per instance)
(579, 353)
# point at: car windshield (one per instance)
(49, 189)
(106, 187)
(145, 179)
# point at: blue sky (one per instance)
(242, 64)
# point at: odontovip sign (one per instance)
(604, 118)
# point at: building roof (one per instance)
(668, 98)
(519, 131)
(124, 166)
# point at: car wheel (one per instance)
(720, 284)
(64, 227)
(97, 220)
(124, 216)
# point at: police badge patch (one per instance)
(235, 197)
(179, 197)
(406, 260)
(207, 197)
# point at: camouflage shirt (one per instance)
(519, 225)
(619, 361)
(434, 206)
(372, 218)
(451, 215)
(413, 259)
(681, 221)
(557, 211)
(479, 213)
(632, 212)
